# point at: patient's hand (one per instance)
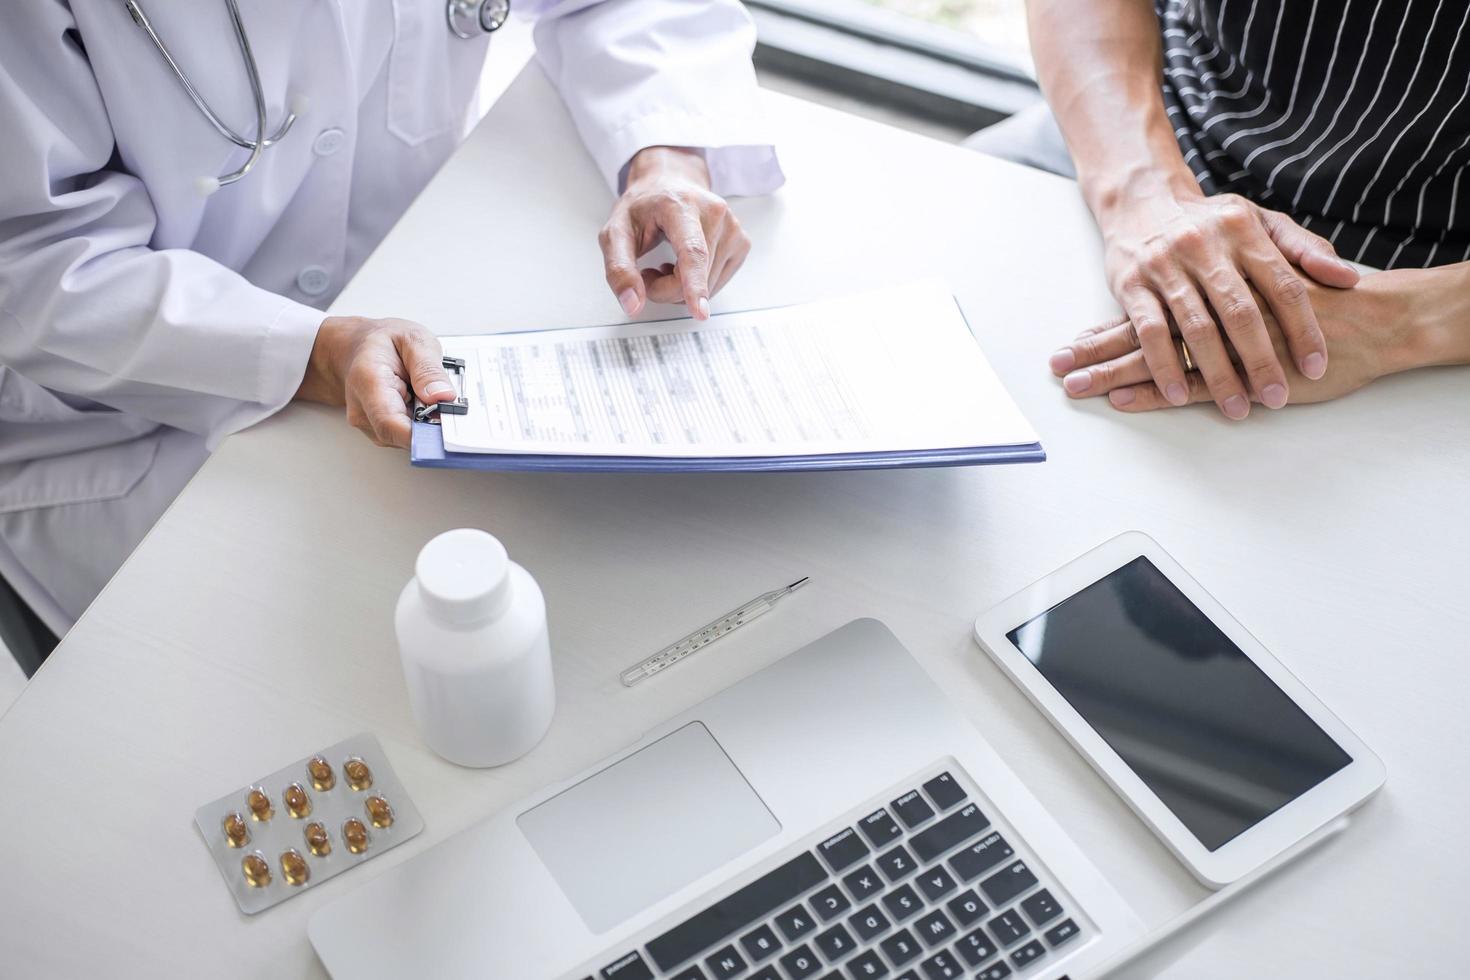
(1391, 322)
(1217, 270)
(668, 197)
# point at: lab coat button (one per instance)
(328, 141)
(313, 280)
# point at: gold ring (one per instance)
(1188, 360)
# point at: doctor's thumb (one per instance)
(432, 384)
(620, 264)
(626, 282)
(424, 358)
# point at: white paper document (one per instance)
(891, 370)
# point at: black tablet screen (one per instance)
(1192, 715)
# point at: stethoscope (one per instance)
(482, 16)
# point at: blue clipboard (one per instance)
(428, 451)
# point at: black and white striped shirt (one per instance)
(1353, 116)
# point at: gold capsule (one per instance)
(256, 869)
(317, 840)
(237, 832)
(293, 867)
(320, 771)
(298, 803)
(355, 835)
(359, 776)
(259, 804)
(379, 811)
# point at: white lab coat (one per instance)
(140, 322)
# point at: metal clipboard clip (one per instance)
(460, 405)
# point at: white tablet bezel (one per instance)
(1336, 795)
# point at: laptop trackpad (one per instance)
(645, 827)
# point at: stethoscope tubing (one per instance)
(256, 90)
(498, 13)
(141, 19)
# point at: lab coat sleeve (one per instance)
(639, 73)
(87, 308)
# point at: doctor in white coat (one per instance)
(142, 320)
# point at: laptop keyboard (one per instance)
(923, 884)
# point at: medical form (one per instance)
(895, 369)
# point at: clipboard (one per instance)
(428, 450)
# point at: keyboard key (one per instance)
(908, 975)
(630, 967)
(912, 809)
(879, 828)
(902, 902)
(867, 966)
(830, 903)
(1028, 954)
(760, 943)
(941, 966)
(869, 923)
(691, 972)
(843, 849)
(897, 863)
(934, 928)
(1005, 885)
(1008, 928)
(738, 911)
(944, 791)
(901, 947)
(725, 963)
(1041, 907)
(949, 833)
(975, 947)
(935, 883)
(800, 963)
(1062, 932)
(995, 971)
(795, 922)
(863, 882)
(835, 943)
(981, 856)
(967, 907)
(765, 973)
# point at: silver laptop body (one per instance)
(830, 816)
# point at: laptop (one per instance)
(830, 817)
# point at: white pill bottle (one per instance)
(471, 628)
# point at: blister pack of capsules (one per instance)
(308, 822)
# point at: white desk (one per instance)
(253, 625)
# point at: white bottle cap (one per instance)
(464, 576)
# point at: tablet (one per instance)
(1205, 734)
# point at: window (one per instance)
(1002, 23)
(958, 64)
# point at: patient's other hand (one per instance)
(1383, 326)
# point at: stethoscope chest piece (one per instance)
(481, 16)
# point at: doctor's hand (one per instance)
(668, 197)
(374, 368)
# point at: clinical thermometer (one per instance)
(707, 634)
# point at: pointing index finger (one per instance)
(692, 258)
